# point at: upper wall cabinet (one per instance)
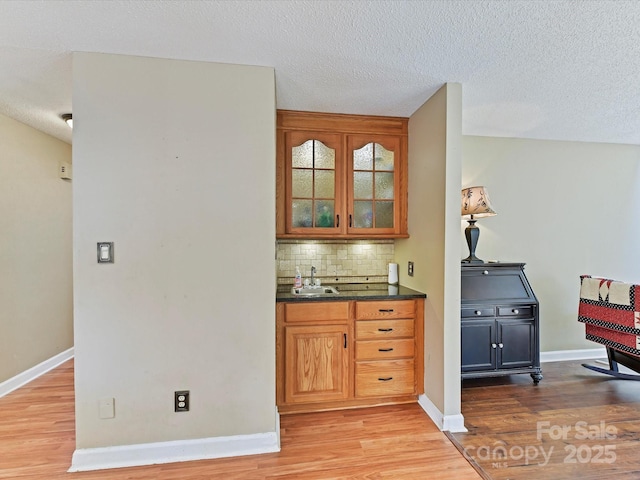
(341, 176)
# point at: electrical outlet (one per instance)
(410, 269)
(181, 401)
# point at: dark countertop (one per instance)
(351, 291)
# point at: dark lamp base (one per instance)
(472, 233)
(472, 259)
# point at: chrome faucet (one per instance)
(313, 272)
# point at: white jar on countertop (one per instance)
(393, 274)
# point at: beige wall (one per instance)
(564, 209)
(175, 163)
(434, 209)
(36, 300)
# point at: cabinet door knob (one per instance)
(493, 345)
(516, 311)
(478, 312)
(501, 345)
(486, 272)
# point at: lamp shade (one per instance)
(476, 203)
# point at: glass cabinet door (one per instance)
(314, 182)
(373, 181)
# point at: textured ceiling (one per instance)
(565, 70)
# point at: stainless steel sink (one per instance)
(315, 291)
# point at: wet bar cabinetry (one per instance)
(499, 322)
(341, 176)
(345, 354)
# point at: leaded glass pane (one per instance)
(325, 184)
(302, 212)
(302, 156)
(384, 185)
(384, 214)
(301, 183)
(325, 157)
(362, 184)
(324, 213)
(363, 214)
(384, 158)
(363, 158)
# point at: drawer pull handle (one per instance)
(516, 311)
(478, 312)
(345, 340)
(385, 310)
(385, 349)
(385, 329)
(501, 345)
(493, 345)
(385, 379)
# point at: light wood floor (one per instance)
(511, 414)
(37, 440)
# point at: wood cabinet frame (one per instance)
(380, 129)
(301, 342)
(331, 140)
(331, 317)
(394, 143)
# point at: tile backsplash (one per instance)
(336, 261)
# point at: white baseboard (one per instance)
(27, 376)
(86, 459)
(566, 355)
(450, 423)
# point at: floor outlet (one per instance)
(181, 401)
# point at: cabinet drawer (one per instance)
(382, 379)
(313, 312)
(515, 311)
(383, 349)
(466, 312)
(385, 309)
(374, 329)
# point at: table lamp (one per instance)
(475, 204)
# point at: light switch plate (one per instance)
(105, 252)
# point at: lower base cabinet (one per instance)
(318, 357)
(396, 377)
(333, 355)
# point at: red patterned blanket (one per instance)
(610, 311)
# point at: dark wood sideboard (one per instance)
(500, 332)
